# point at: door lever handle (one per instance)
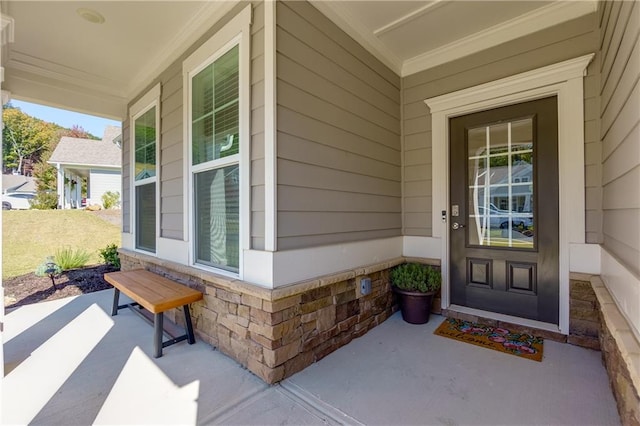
(456, 225)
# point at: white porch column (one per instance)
(60, 185)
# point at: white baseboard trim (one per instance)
(292, 266)
(585, 258)
(258, 267)
(126, 240)
(427, 247)
(624, 288)
(173, 250)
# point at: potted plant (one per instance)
(415, 284)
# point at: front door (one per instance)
(504, 210)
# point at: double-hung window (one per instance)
(144, 137)
(215, 133)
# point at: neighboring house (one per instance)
(275, 153)
(97, 162)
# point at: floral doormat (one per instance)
(496, 338)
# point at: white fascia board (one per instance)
(529, 23)
(87, 166)
(34, 88)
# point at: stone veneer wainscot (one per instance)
(277, 332)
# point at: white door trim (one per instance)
(564, 80)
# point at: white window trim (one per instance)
(564, 80)
(145, 103)
(236, 31)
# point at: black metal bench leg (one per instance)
(157, 335)
(116, 300)
(187, 320)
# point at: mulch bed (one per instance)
(29, 288)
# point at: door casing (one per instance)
(564, 80)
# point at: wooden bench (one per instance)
(156, 294)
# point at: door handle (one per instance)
(456, 225)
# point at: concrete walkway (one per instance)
(68, 362)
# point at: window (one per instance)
(217, 135)
(144, 128)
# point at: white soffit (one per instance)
(58, 59)
(191, 31)
(412, 36)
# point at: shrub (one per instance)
(110, 199)
(416, 277)
(44, 200)
(110, 255)
(68, 258)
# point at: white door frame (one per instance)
(564, 80)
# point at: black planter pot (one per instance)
(414, 305)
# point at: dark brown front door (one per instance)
(504, 210)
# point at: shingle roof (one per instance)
(18, 183)
(88, 152)
(111, 133)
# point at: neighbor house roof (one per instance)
(18, 183)
(89, 152)
(112, 134)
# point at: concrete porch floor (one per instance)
(68, 362)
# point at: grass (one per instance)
(29, 236)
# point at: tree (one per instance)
(77, 131)
(24, 138)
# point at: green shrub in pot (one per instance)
(415, 285)
(416, 277)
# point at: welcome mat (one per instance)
(496, 338)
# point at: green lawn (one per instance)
(29, 236)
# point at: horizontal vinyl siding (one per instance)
(171, 154)
(102, 181)
(619, 127)
(559, 43)
(338, 123)
(172, 171)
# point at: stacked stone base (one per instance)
(620, 354)
(584, 317)
(276, 333)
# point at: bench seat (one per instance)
(156, 294)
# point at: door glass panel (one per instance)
(501, 187)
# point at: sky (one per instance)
(64, 118)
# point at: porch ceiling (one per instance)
(53, 56)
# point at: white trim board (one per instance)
(235, 32)
(585, 258)
(564, 80)
(270, 131)
(624, 288)
(281, 268)
(151, 99)
(529, 23)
